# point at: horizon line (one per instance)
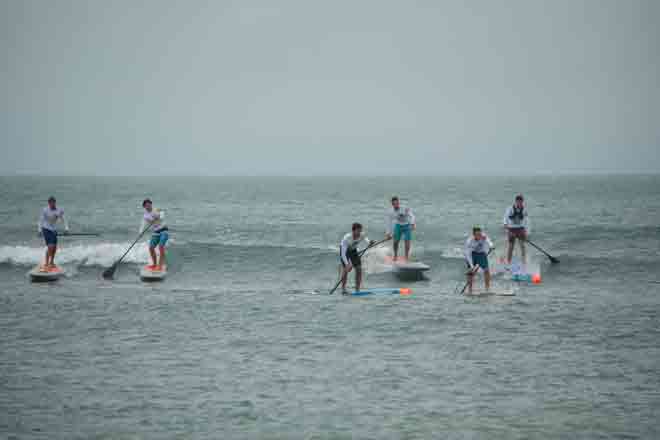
(584, 173)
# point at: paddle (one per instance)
(374, 244)
(552, 259)
(474, 270)
(110, 272)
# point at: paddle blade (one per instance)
(553, 260)
(109, 273)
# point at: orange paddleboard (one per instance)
(41, 273)
(151, 273)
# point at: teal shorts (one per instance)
(402, 230)
(480, 259)
(159, 238)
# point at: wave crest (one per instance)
(102, 254)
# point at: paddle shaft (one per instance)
(134, 243)
(552, 259)
(109, 272)
(359, 254)
(80, 234)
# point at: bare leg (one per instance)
(50, 256)
(358, 278)
(395, 244)
(470, 279)
(407, 244)
(509, 250)
(523, 251)
(152, 252)
(344, 278)
(161, 263)
(487, 279)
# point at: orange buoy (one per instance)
(536, 278)
(405, 291)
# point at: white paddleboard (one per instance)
(405, 268)
(491, 292)
(41, 274)
(410, 267)
(147, 273)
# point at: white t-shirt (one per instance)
(401, 216)
(154, 217)
(50, 217)
(348, 242)
(478, 246)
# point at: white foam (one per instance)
(102, 254)
(454, 252)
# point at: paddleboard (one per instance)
(41, 274)
(405, 268)
(403, 291)
(492, 293)
(148, 274)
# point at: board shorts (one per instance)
(402, 230)
(479, 259)
(159, 238)
(50, 237)
(516, 233)
(353, 257)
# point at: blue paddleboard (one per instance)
(403, 291)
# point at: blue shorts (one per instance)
(353, 257)
(402, 230)
(159, 238)
(49, 236)
(480, 259)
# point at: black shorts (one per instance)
(352, 256)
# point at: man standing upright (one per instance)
(50, 215)
(516, 224)
(159, 236)
(399, 223)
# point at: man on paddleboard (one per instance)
(516, 224)
(349, 255)
(47, 225)
(477, 247)
(399, 223)
(159, 235)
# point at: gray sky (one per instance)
(330, 87)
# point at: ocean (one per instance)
(242, 340)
